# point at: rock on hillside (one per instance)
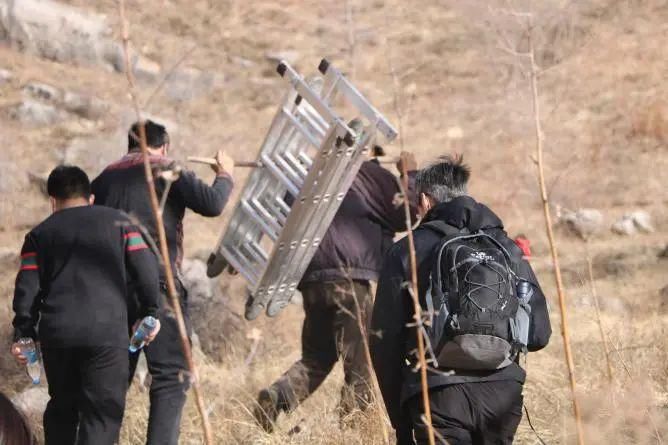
(57, 32)
(94, 154)
(65, 34)
(220, 331)
(631, 223)
(12, 179)
(583, 222)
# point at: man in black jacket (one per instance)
(468, 407)
(72, 283)
(122, 185)
(336, 289)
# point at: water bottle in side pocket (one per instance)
(523, 317)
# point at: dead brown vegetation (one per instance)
(603, 95)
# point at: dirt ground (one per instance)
(452, 77)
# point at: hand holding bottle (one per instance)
(18, 354)
(25, 352)
(145, 331)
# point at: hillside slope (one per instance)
(443, 72)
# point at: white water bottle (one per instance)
(29, 351)
(145, 328)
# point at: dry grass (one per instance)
(604, 99)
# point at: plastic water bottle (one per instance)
(29, 351)
(524, 291)
(523, 316)
(145, 328)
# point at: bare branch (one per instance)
(550, 235)
(396, 84)
(647, 408)
(359, 317)
(416, 306)
(168, 75)
(594, 294)
(352, 39)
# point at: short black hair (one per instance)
(156, 135)
(445, 179)
(68, 182)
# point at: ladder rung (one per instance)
(241, 264)
(292, 187)
(303, 130)
(258, 219)
(258, 256)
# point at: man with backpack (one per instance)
(483, 309)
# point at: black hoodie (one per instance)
(391, 339)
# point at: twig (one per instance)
(550, 234)
(169, 176)
(540, 439)
(255, 335)
(367, 355)
(169, 74)
(357, 316)
(171, 287)
(594, 294)
(416, 305)
(647, 408)
(396, 85)
(134, 221)
(352, 39)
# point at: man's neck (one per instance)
(71, 203)
(151, 152)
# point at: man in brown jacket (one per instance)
(337, 290)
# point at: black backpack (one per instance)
(476, 319)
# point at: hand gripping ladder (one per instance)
(307, 163)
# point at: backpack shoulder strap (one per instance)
(435, 296)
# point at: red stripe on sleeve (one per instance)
(137, 247)
(28, 254)
(131, 234)
(31, 267)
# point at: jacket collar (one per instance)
(464, 212)
(135, 158)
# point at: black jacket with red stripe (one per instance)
(122, 185)
(71, 289)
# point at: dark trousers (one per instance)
(331, 331)
(87, 388)
(169, 378)
(484, 413)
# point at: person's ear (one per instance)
(425, 202)
(91, 199)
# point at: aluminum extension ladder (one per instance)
(309, 159)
